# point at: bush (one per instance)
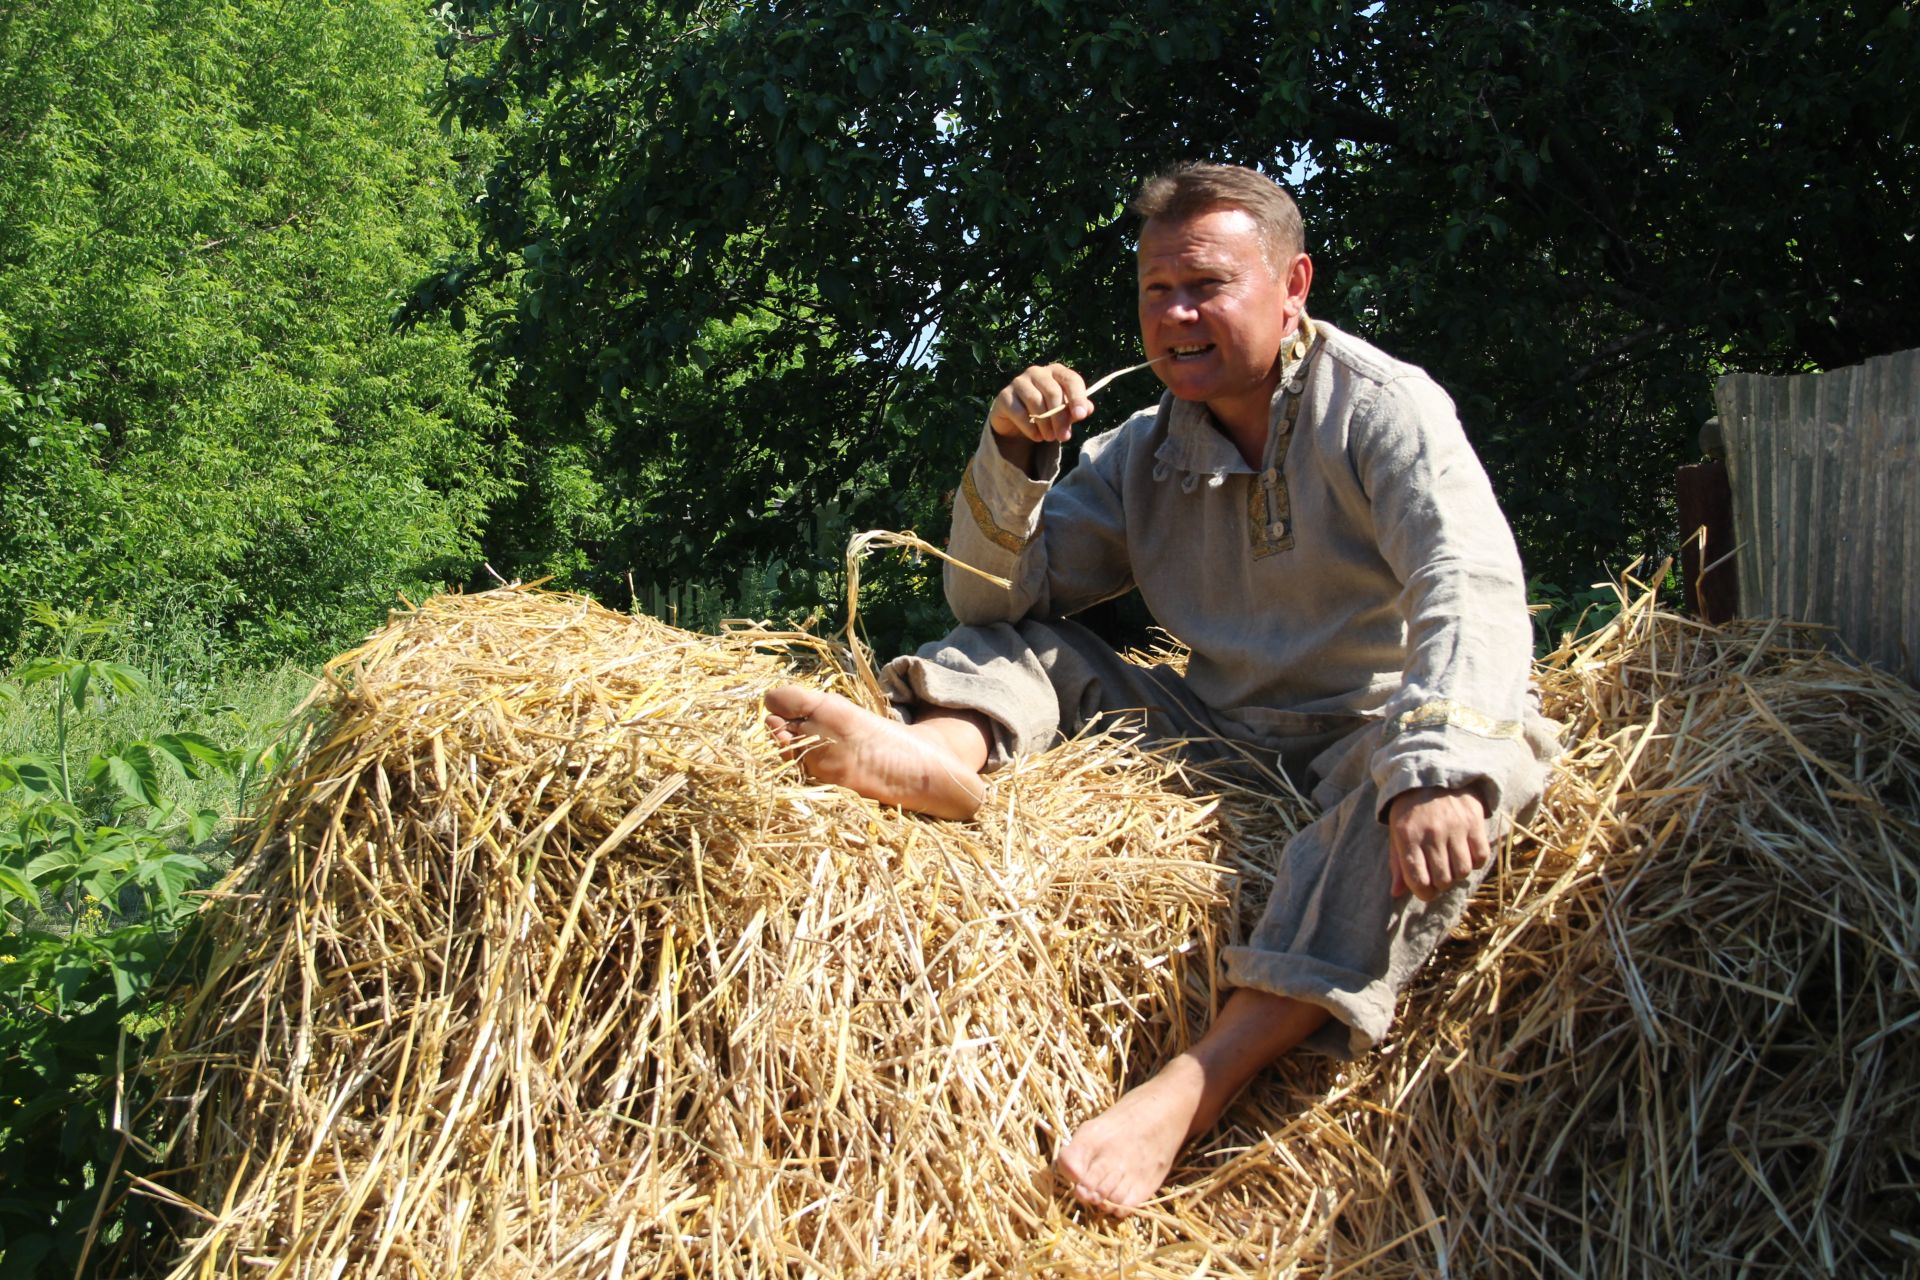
(100, 851)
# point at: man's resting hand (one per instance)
(1438, 836)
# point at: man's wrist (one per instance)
(1017, 450)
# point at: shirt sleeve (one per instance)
(1060, 543)
(1461, 709)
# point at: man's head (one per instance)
(1221, 287)
(1184, 190)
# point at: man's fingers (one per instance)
(1058, 401)
(1042, 404)
(1010, 416)
(1463, 859)
(1433, 872)
(1416, 871)
(1439, 839)
(1420, 867)
(1072, 387)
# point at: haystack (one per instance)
(544, 963)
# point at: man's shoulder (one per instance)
(1363, 360)
(1139, 429)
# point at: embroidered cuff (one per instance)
(1004, 501)
(1004, 538)
(1445, 713)
(1508, 768)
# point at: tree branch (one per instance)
(1350, 122)
(259, 228)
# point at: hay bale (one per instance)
(544, 963)
(1676, 1037)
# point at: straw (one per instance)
(1100, 385)
(543, 961)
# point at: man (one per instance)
(1304, 512)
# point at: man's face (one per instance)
(1209, 299)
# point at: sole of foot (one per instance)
(839, 742)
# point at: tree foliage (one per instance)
(207, 215)
(1574, 216)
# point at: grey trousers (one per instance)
(1332, 933)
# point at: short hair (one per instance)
(1189, 189)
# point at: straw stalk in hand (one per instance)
(1101, 385)
(1042, 404)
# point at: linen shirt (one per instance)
(1364, 573)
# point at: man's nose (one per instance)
(1182, 309)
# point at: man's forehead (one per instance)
(1202, 239)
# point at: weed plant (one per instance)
(121, 769)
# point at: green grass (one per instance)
(238, 709)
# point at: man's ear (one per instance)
(1299, 280)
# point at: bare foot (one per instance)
(1118, 1159)
(880, 758)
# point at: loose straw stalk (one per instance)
(858, 548)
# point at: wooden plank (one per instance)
(1824, 470)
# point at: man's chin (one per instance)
(1189, 383)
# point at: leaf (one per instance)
(267, 759)
(67, 858)
(202, 825)
(75, 969)
(194, 752)
(35, 773)
(26, 1252)
(134, 772)
(123, 678)
(15, 885)
(76, 682)
(34, 670)
(170, 874)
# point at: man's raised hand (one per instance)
(1015, 415)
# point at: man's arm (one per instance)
(1458, 715)
(1074, 557)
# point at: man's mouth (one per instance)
(1189, 350)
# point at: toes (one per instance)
(1101, 1200)
(1082, 1170)
(792, 701)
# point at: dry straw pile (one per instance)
(544, 963)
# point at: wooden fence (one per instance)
(1824, 469)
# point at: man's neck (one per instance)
(1247, 419)
(1238, 422)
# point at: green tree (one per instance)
(1574, 216)
(208, 214)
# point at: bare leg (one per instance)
(1117, 1160)
(931, 766)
